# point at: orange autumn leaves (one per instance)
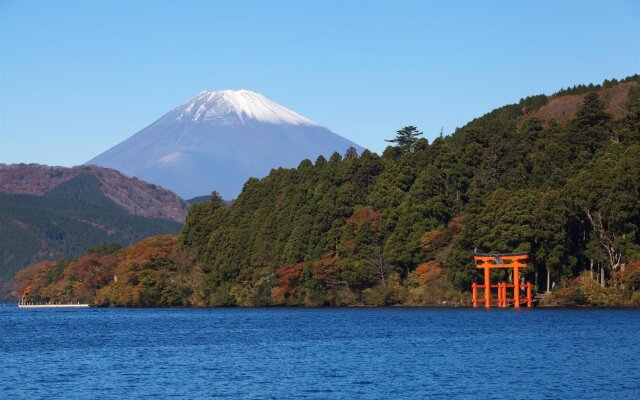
(288, 277)
(153, 272)
(429, 271)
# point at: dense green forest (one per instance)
(71, 218)
(360, 224)
(401, 227)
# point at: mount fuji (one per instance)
(217, 140)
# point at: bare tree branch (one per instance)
(614, 256)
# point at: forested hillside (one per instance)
(401, 228)
(153, 272)
(66, 221)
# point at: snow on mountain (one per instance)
(208, 106)
(217, 140)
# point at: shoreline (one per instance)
(71, 305)
(435, 306)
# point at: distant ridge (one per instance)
(135, 196)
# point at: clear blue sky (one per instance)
(80, 76)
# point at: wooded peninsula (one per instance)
(555, 176)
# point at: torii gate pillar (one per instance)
(487, 262)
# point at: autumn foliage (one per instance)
(326, 271)
(429, 271)
(627, 277)
(288, 277)
(153, 272)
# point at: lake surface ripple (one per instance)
(277, 353)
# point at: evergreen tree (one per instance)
(406, 138)
(351, 153)
(592, 127)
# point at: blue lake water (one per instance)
(386, 353)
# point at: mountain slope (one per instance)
(72, 217)
(563, 107)
(217, 140)
(133, 195)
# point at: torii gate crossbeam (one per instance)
(490, 261)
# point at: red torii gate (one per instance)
(501, 261)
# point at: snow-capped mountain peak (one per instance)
(224, 105)
(218, 140)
